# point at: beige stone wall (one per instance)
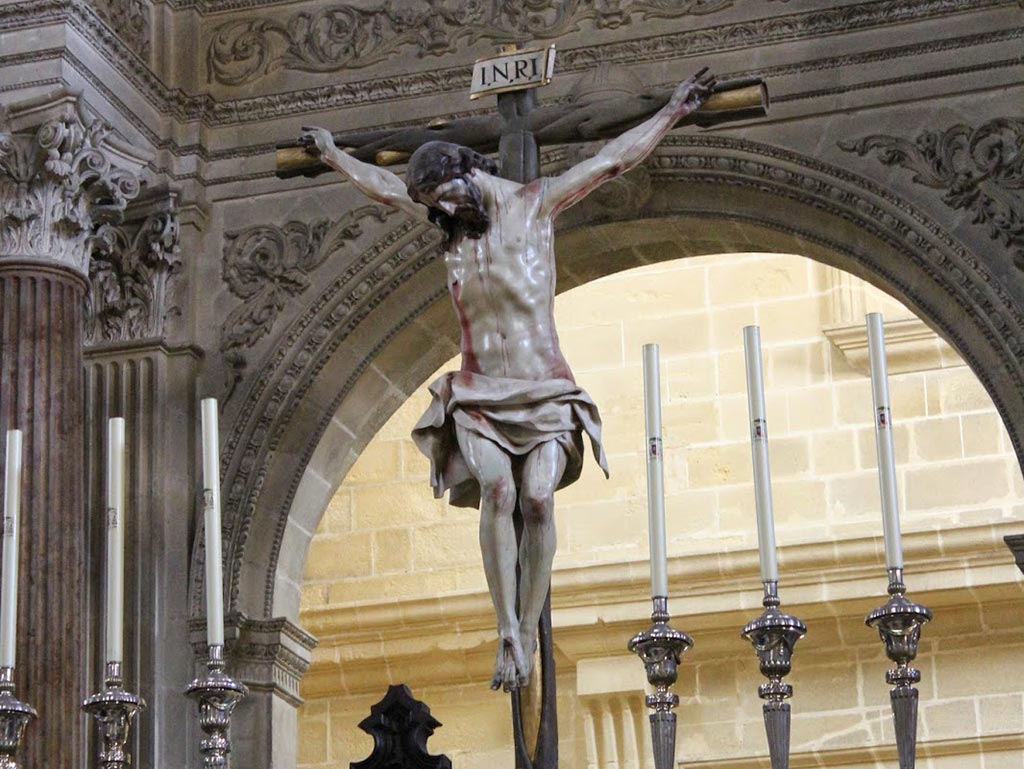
(384, 539)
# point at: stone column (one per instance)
(61, 175)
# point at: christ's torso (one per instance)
(503, 287)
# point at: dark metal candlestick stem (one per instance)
(661, 647)
(114, 708)
(216, 694)
(899, 623)
(14, 717)
(774, 634)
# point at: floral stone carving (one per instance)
(981, 170)
(266, 266)
(57, 185)
(132, 274)
(339, 36)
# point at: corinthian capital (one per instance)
(62, 175)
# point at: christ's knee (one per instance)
(536, 508)
(497, 497)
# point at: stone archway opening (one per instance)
(411, 587)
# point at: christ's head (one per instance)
(440, 177)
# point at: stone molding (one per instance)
(269, 655)
(133, 273)
(716, 589)
(275, 394)
(268, 266)
(62, 175)
(979, 170)
(1016, 544)
(910, 345)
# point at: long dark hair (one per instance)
(436, 163)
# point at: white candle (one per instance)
(759, 451)
(655, 472)
(9, 581)
(884, 443)
(211, 485)
(115, 540)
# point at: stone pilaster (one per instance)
(61, 176)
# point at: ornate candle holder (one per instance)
(774, 634)
(899, 623)
(14, 717)
(661, 647)
(114, 708)
(216, 694)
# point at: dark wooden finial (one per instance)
(400, 726)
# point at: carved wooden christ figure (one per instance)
(507, 428)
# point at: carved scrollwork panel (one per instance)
(132, 277)
(266, 266)
(343, 36)
(980, 170)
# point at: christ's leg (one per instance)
(542, 471)
(492, 469)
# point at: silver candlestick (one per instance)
(216, 694)
(661, 647)
(14, 717)
(899, 623)
(774, 634)
(114, 708)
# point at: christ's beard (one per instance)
(473, 220)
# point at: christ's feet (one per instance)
(512, 666)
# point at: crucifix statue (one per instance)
(506, 430)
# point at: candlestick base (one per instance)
(899, 623)
(773, 635)
(15, 716)
(216, 694)
(661, 647)
(114, 709)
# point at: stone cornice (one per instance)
(713, 584)
(715, 593)
(910, 345)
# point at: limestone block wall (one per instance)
(395, 591)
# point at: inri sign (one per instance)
(512, 71)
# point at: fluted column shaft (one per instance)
(41, 385)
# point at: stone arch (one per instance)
(381, 328)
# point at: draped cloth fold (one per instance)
(516, 414)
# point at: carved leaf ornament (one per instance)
(980, 169)
(267, 266)
(56, 186)
(130, 279)
(341, 36)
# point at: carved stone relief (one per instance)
(130, 21)
(132, 275)
(57, 185)
(980, 170)
(342, 36)
(268, 266)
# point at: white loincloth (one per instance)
(516, 414)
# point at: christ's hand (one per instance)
(320, 138)
(692, 92)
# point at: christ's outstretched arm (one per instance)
(624, 152)
(376, 183)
